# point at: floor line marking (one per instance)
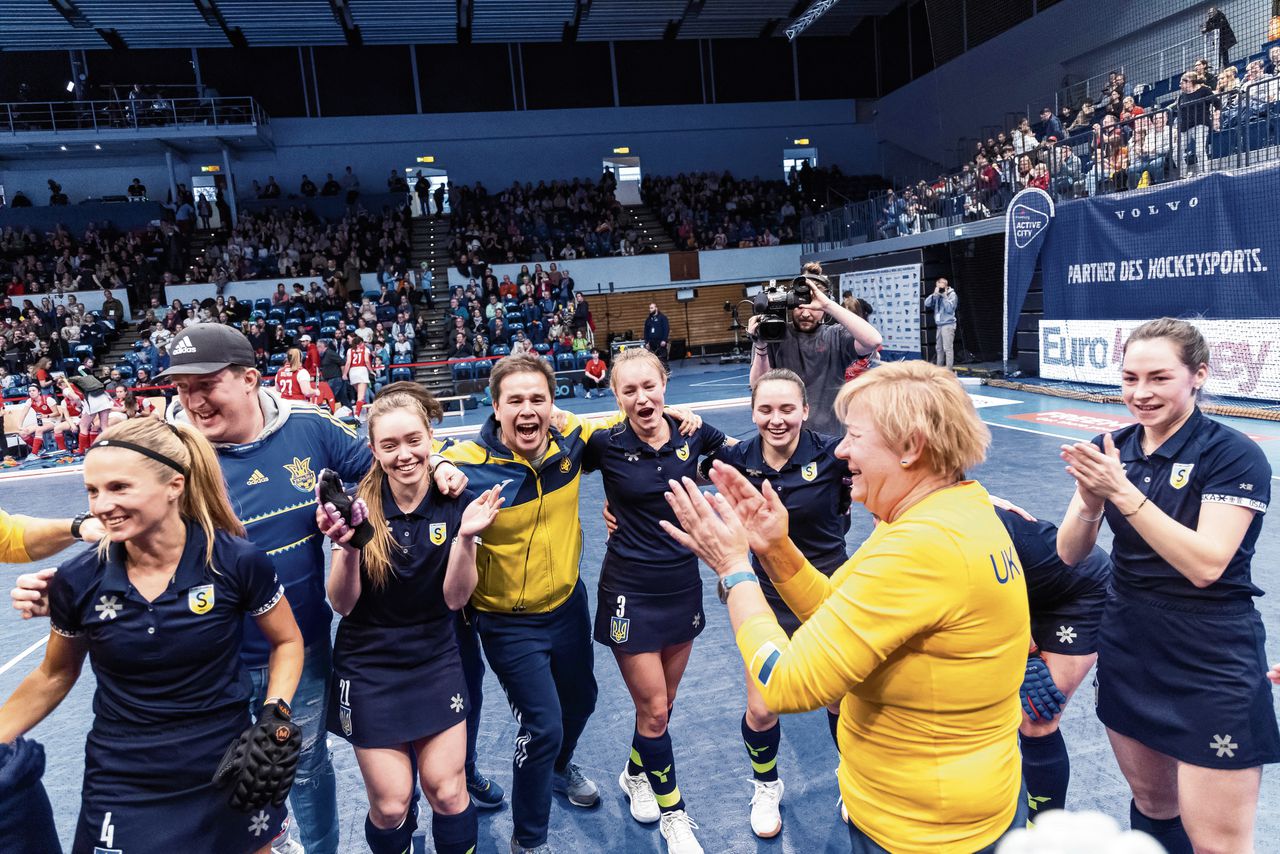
(1037, 432)
(720, 380)
(8, 665)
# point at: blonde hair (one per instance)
(375, 558)
(906, 399)
(294, 358)
(204, 494)
(638, 355)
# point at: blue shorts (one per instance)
(1188, 679)
(393, 685)
(149, 790)
(1071, 628)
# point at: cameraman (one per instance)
(942, 302)
(819, 352)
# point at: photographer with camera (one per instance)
(819, 352)
(943, 302)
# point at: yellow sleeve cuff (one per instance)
(805, 591)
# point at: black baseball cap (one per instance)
(206, 348)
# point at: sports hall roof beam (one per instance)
(690, 11)
(580, 10)
(464, 21)
(72, 13)
(113, 38)
(351, 30)
(812, 14)
(212, 15)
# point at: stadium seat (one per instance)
(401, 375)
(297, 312)
(564, 362)
(500, 350)
(581, 358)
(276, 314)
(125, 369)
(462, 370)
(328, 331)
(277, 359)
(542, 349)
(257, 315)
(263, 305)
(82, 351)
(331, 317)
(372, 295)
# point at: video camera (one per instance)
(775, 302)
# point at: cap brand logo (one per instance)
(183, 347)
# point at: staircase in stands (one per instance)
(653, 237)
(429, 237)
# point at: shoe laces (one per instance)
(765, 791)
(638, 786)
(573, 775)
(678, 825)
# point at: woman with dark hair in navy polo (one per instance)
(399, 693)
(649, 605)
(159, 608)
(1182, 673)
(801, 466)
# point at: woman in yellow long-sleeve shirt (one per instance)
(921, 636)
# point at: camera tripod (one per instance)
(734, 356)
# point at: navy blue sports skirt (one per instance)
(148, 790)
(634, 614)
(1071, 628)
(1188, 679)
(393, 685)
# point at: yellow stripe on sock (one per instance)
(762, 767)
(670, 799)
(635, 757)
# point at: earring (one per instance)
(904, 463)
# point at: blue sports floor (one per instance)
(711, 761)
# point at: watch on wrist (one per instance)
(728, 582)
(76, 523)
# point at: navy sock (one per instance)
(1047, 770)
(634, 764)
(455, 834)
(1167, 831)
(396, 840)
(833, 724)
(762, 747)
(660, 764)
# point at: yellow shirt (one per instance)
(12, 547)
(922, 636)
(527, 560)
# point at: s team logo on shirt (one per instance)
(437, 532)
(301, 476)
(200, 599)
(810, 471)
(1180, 474)
(683, 451)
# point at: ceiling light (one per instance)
(63, 147)
(97, 147)
(71, 85)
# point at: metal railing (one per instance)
(150, 112)
(1113, 157)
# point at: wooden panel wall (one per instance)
(708, 321)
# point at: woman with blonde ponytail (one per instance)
(399, 690)
(159, 607)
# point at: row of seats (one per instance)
(480, 369)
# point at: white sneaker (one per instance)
(766, 820)
(677, 829)
(288, 845)
(644, 806)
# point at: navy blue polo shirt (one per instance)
(1051, 583)
(1204, 462)
(175, 657)
(811, 486)
(421, 539)
(635, 479)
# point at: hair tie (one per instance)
(146, 452)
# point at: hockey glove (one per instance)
(331, 492)
(258, 767)
(1041, 699)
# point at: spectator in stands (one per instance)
(112, 309)
(1227, 113)
(1049, 125)
(594, 375)
(56, 196)
(1085, 119)
(350, 186)
(1065, 167)
(1194, 117)
(1201, 68)
(461, 348)
(1024, 140)
(307, 188)
(1273, 60)
(1226, 37)
(272, 189)
(520, 345)
(1114, 104)
(331, 187)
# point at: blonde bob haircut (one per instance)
(918, 399)
(637, 355)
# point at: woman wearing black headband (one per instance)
(159, 607)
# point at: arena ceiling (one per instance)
(123, 24)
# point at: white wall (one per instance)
(641, 272)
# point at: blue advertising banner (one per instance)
(1205, 247)
(1026, 225)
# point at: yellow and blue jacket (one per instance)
(527, 560)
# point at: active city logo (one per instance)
(1028, 223)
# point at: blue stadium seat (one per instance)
(564, 362)
(482, 369)
(263, 305)
(71, 367)
(401, 375)
(275, 314)
(257, 315)
(401, 359)
(125, 369)
(462, 370)
(82, 351)
(500, 350)
(373, 295)
(386, 313)
(277, 358)
(328, 331)
(331, 317)
(581, 359)
(542, 348)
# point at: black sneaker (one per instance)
(486, 794)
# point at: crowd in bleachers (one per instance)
(708, 210)
(538, 312)
(1125, 137)
(555, 221)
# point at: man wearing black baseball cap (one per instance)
(271, 451)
